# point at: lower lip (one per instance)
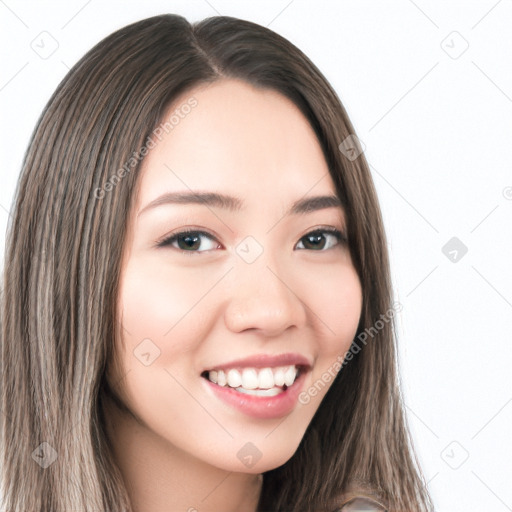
(265, 407)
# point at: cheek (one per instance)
(337, 307)
(335, 302)
(163, 306)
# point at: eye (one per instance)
(189, 241)
(322, 239)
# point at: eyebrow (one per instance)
(234, 204)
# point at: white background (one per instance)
(435, 118)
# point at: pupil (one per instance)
(316, 239)
(189, 238)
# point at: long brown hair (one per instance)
(61, 277)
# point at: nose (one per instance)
(264, 299)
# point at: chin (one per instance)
(255, 458)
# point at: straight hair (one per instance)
(62, 266)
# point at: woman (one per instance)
(195, 259)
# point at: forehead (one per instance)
(232, 137)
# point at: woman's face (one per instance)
(261, 293)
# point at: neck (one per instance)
(158, 474)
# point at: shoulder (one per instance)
(361, 504)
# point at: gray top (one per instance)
(362, 505)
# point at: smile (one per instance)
(263, 386)
(256, 381)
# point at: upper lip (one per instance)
(264, 361)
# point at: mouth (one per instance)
(262, 386)
(263, 382)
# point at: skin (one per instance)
(177, 446)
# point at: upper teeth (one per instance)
(253, 378)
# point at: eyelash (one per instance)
(340, 237)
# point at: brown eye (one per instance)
(318, 240)
(188, 241)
